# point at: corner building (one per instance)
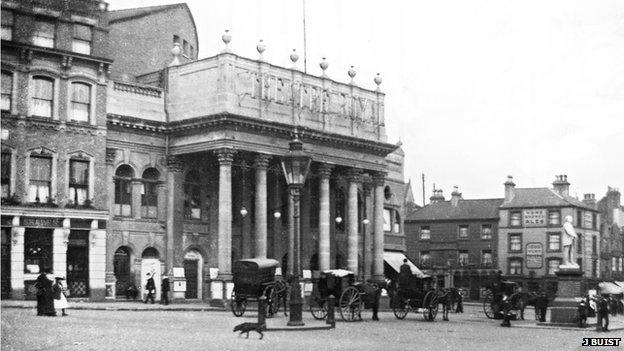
(185, 164)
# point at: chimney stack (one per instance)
(561, 185)
(509, 188)
(589, 200)
(437, 196)
(455, 196)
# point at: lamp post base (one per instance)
(296, 304)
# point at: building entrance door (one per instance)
(152, 266)
(190, 272)
(121, 267)
(5, 264)
(78, 263)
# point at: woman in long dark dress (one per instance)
(45, 296)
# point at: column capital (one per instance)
(354, 175)
(379, 178)
(225, 156)
(111, 154)
(261, 161)
(174, 164)
(325, 170)
(367, 187)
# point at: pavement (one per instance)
(93, 329)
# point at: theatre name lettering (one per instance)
(534, 218)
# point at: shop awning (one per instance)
(610, 288)
(395, 260)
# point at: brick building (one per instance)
(455, 240)
(530, 233)
(181, 157)
(54, 212)
(612, 234)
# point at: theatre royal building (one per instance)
(124, 154)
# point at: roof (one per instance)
(542, 197)
(128, 14)
(465, 209)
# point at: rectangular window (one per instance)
(6, 175)
(81, 42)
(515, 242)
(594, 221)
(387, 224)
(463, 258)
(7, 91)
(515, 266)
(425, 257)
(80, 102)
(579, 219)
(554, 242)
(78, 181)
(515, 219)
(44, 33)
(613, 264)
(554, 218)
(588, 220)
(486, 258)
(149, 200)
(43, 96)
(425, 233)
(40, 178)
(463, 231)
(553, 265)
(37, 250)
(486, 231)
(594, 245)
(7, 25)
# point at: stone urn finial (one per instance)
(227, 38)
(351, 72)
(293, 58)
(175, 52)
(378, 81)
(261, 48)
(324, 64)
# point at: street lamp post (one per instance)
(295, 164)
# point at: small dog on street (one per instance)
(247, 327)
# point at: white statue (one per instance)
(569, 243)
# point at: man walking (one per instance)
(164, 290)
(150, 287)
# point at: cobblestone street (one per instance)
(212, 330)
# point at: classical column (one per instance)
(324, 217)
(378, 234)
(260, 164)
(226, 157)
(278, 248)
(353, 177)
(245, 221)
(366, 232)
(97, 262)
(111, 155)
(174, 189)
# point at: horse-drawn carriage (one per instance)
(254, 278)
(506, 299)
(413, 294)
(351, 297)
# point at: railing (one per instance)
(137, 89)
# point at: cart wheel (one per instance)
(400, 308)
(487, 305)
(350, 305)
(318, 307)
(431, 305)
(272, 303)
(238, 305)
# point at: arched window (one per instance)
(42, 96)
(123, 191)
(7, 91)
(149, 193)
(80, 102)
(192, 193)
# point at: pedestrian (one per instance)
(45, 298)
(542, 306)
(506, 310)
(150, 287)
(602, 313)
(164, 290)
(460, 301)
(60, 298)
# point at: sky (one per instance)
(475, 90)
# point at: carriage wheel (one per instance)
(272, 303)
(238, 305)
(400, 308)
(487, 305)
(351, 304)
(430, 306)
(318, 307)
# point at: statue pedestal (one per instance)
(564, 308)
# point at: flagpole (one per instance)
(305, 46)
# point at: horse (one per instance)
(282, 293)
(448, 297)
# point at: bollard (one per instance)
(262, 312)
(331, 320)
